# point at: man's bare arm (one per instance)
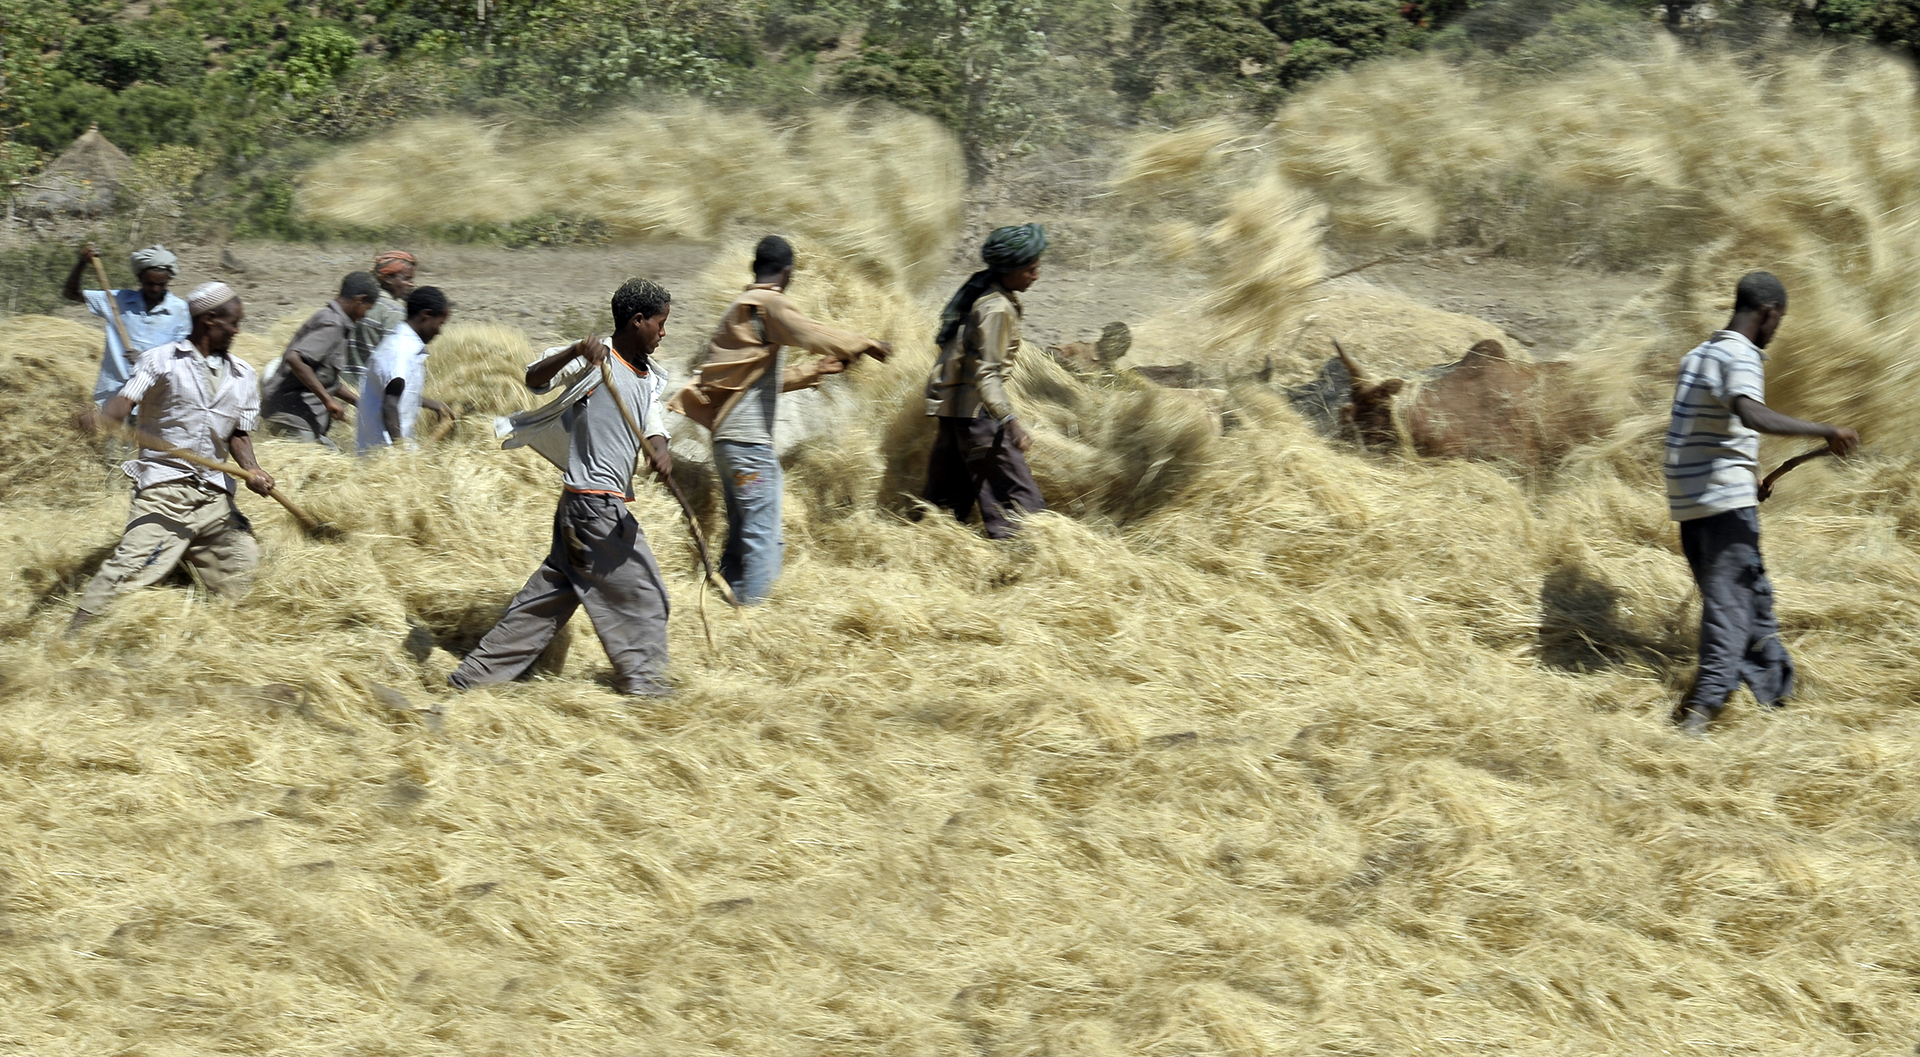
(241, 445)
(303, 371)
(540, 375)
(660, 457)
(390, 409)
(71, 291)
(1758, 416)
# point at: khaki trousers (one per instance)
(169, 523)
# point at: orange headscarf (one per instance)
(393, 262)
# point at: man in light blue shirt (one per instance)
(153, 317)
(1713, 451)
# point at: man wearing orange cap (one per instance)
(393, 270)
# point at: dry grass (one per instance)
(1808, 166)
(1270, 749)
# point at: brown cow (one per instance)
(1484, 406)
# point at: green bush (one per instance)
(31, 275)
(907, 76)
(1201, 46)
(105, 56)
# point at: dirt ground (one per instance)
(554, 293)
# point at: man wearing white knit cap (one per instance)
(151, 315)
(195, 396)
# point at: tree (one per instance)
(962, 60)
(29, 31)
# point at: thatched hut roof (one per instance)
(83, 180)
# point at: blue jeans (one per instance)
(750, 478)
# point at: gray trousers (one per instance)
(599, 560)
(1739, 637)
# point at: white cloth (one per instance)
(1713, 458)
(402, 356)
(154, 256)
(550, 428)
(180, 408)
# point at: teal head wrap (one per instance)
(1006, 249)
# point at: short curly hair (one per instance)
(638, 297)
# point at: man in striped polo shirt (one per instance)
(1713, 453)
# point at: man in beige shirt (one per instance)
(195, 396)
(979, 455)
(735, 395)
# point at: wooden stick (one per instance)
(153, 443)
(693, 523)
(113, 307)
(1766, 486)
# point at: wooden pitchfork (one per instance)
(308, 522)
(693, 523)
(1766, 486)
(113, 307)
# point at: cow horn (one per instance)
(1353, 366)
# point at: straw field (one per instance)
(1256, 746)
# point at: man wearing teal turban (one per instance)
(979, 452)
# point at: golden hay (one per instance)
(1808, 166)
(1283, 750)
(880, 189)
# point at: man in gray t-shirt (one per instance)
(303, 400)
(599, 558)
(736, 395)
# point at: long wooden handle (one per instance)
(113, 308)
(1766, 486)
(153, 443)
(693, 523)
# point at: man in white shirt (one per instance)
(1712, 458)
(196, 397)
(599, 558)
(393, 394)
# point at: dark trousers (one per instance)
(973, 463)
(1739, 637)
(598, 560)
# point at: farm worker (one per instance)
(194, 396)
(393, 270)
(735, 396)
(303, 399)
(396, 378)
(1713, 449)
(153, 317)
(599, 557)
(979, 454)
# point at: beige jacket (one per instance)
(976, 363)
(745, 346)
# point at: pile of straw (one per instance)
(1710, 166)
(1271, 748)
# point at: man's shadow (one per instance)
(1582, 630)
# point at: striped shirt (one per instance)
(1712, 456)
(189, 403)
